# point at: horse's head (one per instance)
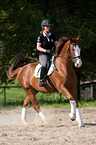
(74, 51)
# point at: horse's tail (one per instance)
(17, 65)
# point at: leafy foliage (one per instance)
(20, 24)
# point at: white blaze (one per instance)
(78, 61)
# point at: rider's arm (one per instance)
(40, 48)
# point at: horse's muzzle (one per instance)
(78, 63)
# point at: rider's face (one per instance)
(47, 28)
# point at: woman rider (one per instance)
(46, 45)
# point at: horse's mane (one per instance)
(60, 44)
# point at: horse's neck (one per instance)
(64, 65)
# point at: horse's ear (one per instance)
(78, 39)
(70, 38)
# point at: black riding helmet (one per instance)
(45, 22)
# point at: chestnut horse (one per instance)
(63, 78)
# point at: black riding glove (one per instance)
(48, 51)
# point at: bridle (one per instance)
(70, 52)
(69, 58)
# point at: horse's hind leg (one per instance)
(26, 102)
(24, 109)
(31, 97)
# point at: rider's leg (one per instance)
(42, 79)
(43, 60)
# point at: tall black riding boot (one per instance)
(42, 77)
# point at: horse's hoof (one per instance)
(46, 122)
(24, 122)
(81, 124)
(72, 116)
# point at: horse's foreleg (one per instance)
(72, 100)
(79, 118)
(24, 109)
(75, 111)
(72, 115)
(75, 108)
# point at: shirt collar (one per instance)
(46, 35)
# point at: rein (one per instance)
(64, 57)
(69, 58)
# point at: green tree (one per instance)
(20, 26)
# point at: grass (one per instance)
(16, 96)
(88, 103)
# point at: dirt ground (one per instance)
(60, 130)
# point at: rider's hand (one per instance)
(48, 51)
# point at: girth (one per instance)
(51, 84)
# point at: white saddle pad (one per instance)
(38, 69)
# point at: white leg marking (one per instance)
(43, 117)
(78, 118)
(23, 115)
(72, 115)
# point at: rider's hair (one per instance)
(42, 30)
